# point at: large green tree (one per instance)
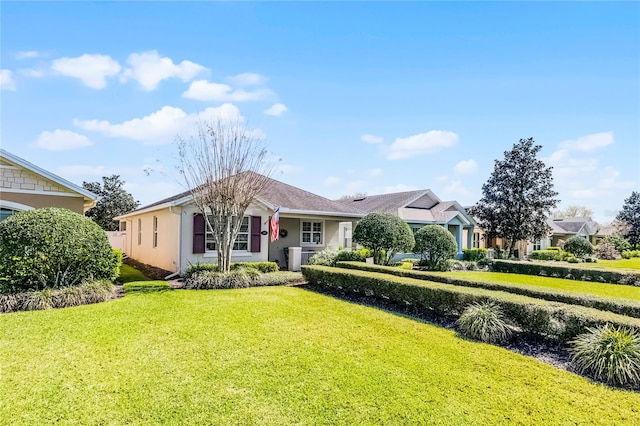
(518, 197)
(630, 217)
(113, 200)
(384, 234)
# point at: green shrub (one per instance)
(484, 321)
(619, 242)
(608, 354)
(568, 272)
(617, 305)
(544, 254)
(463, 265)
(385, 235)
(436, 246)
(264, 267)
(573, 259)
(280, 278)
(52, 248)
(146, 286)
(556, 248)
(475, 254)
(352, 255)
(606, 251)
(557, 321)
(325, 257)
(578, 246)
(85, 293)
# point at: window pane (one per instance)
(316, 237)
(306, 237)
(244, 227)
(317, 226)
(306, 226)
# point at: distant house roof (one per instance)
(88, 195)
(289, 198)
(572, 225)
(413, 206)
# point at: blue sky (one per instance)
(354, 97)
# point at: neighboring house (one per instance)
(420, 208)
(25, 186)
(564, 228)
(170, 234)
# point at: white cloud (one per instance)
(375, 172)
(164, 125)
(202, 90)
(566, 167)
(589, 142)
(371, 138)
(92, 70)
(331, 180)
(31, 72)
(276, 109)
(465, 167)
(149, 69)
(456, 187)
(27, 54)
(399, 188)
(247, 79)
(420, 144)
(60, 140)
(6, 80)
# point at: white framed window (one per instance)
(139, 231)
(476, 240)
(155, 231)
(242, 239)
(312, 233)
(5, 213)
(537, 245)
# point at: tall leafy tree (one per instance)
(518, 197)
(384, 234)
(113, 201)
(630, 217)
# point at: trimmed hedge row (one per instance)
(617, 305)
(567, 272)
(554, 320)
(146, 286)
(264, 267)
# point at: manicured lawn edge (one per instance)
(571, 273)
(146, 286)
(611, 304)
(558, 321)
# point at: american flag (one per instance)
(274, 225)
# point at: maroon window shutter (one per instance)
(256, 223)
(198, 233)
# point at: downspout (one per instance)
(179, 243)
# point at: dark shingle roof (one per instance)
(280, 194)
(390, 203)
(572, 225)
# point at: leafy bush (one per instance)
(568, 272)
(384, 234)
(85, 293)
(556, 248)
(436, 246)
(557, 321)
(544, 254)
(608, 354)
(280, 278)
(606, 251)
(53, 248)
(325, 257)
(484, 321)
(612, 304)
(264, 267)
(475, 254)
(619, 242)
(240, 278)
(462, 265)
(573, 259)
(628, 254)
(353, 255)
(578, 246)
(146, 286)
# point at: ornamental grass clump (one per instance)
(484, 321)
(608, 354)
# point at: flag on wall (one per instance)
(274, 225)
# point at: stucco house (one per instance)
(25, 186)
(419, 208)
(171, 233)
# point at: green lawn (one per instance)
(275, 355)
(585, 287)
(129, 274)
(633, 263)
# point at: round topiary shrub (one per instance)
(436, 246)
(608, 354)
(485, 322)
(578, 246)
(51, 248)
(385, 234)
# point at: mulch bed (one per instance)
(149, 271)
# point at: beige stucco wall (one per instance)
(75, 204)
(165, 255)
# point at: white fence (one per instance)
(117, 240)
